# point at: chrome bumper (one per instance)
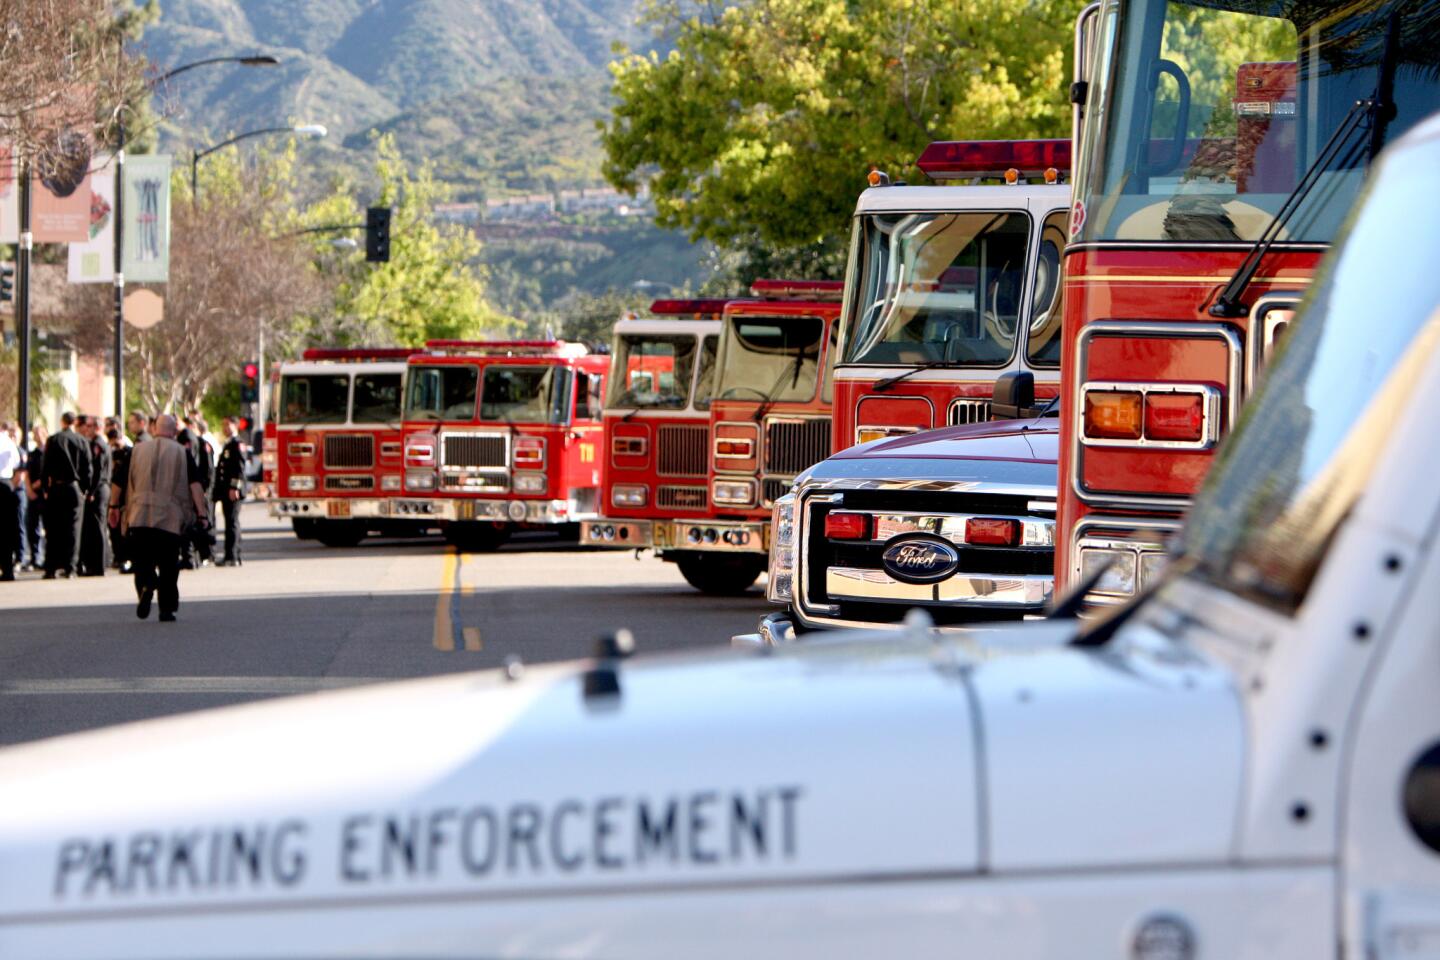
(774, 630)
(333, 508)
(621, 534)
(1018, 592)
(727, 536)
(499, 511)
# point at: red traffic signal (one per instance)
(250, 382)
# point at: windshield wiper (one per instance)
(1379, 110)
(774, 390)
(880, 386)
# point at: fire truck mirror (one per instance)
(1014, 396)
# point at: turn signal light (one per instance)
(731, 447)
(530, 452)
(992, 531)
(847, 526)
(1113, 415)
(627, 446)
(1179, 416)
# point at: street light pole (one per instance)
(314, 130)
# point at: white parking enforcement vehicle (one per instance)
(1244, 763)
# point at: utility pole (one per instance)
(22, 294)
(118, 237)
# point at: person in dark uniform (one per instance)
(12, 471)
(197, 550)
(67, 472)
(120, 448)
(35, 491)
(230, 488)
(94, 537)
(139, 426)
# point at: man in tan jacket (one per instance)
(155, 500)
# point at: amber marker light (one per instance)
(1113, 415)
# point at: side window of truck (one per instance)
(1046, 302)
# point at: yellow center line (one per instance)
(444, 630)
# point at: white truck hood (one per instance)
(897, 757)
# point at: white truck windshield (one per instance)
(652, 371)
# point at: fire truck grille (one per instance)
(350, 482)
(682, 452)
(792, 446)
(969, 411)
(772, 489)
(474, 451)
(349, 451)
(682, 498)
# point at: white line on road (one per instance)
(257, 685)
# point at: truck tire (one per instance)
(469, 537)
(304, 528)
(339, 533)
(720, 574)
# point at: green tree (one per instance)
(757, 129)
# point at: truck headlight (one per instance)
(419, 479)
(1119, 580)
(390, 482)
(739, 494)
(629, 495)
(529, 483)
(782, 550)
(302, 483)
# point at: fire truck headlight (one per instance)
(1152, 562)
(419, 480)
(1119, 580)
(390, 482)
(302, 483)
(529, 483)
(268, 459)
(629, 495)
(740, 494)
(782, 550)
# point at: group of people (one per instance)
(94, 496)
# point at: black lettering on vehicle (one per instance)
(352, 848)
(565, 861)
(744, 820)
(217, 841)
(144, 849)
(475, 864)
(699, 822)
(436, 836)
(244, 851)
(789, 797)
(656, 834)
(101, 866)
(182, 859)
(604, 830)
(524, 831)
(73, 855)
(287, 858)
(398, 839)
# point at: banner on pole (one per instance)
(147, 219)
(60, 209)
(94, 260)
(9, 195)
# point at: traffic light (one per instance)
(377, 234)
(7, 286)
(244, 425)
(250, 382)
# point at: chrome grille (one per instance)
(350, 482)
(682, 451)
(470, 450)
(969, 411)
(349, 451)
(792, 446)
(772, 489)
(681, 498)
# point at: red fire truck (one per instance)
(657, 422)
(333, 444)
(950, 288)
(502, 434)
(771, 419)
(1223, 143)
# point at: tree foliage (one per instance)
(758, 127)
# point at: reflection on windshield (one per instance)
(771, 360)
(1217, 113)
(316, 398)
(441, 393)
(525, 394)
(1306, 447)
(1046, 300)
(705, 377)
(936, 287)
(652, 371)
(377, 398)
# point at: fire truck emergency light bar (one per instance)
(828, 290)
(696, 308)
(359, 353)
(963, 159)
(509, 348)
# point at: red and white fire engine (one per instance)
(502, 434)
(657, 422)
(1225, 141)
(770, 419)
(951, 288)
(333, 445)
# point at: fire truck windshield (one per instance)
(652, 371)
(771, 360)
(314, 398)
(936, 288)
(1204, 115)
(377, 398)
(532, 393)
(441, 392)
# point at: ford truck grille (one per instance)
(349, 451)
(681, 498)
(969, 411)
(468, 450)
(792, 446)
(682, 451)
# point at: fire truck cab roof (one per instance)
(901, 199)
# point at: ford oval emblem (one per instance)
(920, 558)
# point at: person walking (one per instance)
(139, 426)
(35, 495)
(67, 471)
(155, 501)
(120, 448)
(11, 465)
(94, 536)
(230, 488)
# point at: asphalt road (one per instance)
(299, 616)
